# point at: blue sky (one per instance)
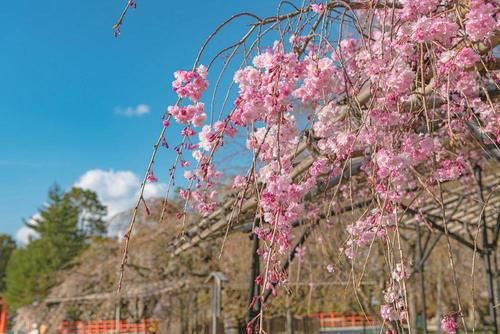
(63, 75)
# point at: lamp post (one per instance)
(216, 278)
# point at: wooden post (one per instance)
(438, 303)
(496, 272)
(422, 278)
(486, 252)
(253, 287)
(495, 269)
(289, 321)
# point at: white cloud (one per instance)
(139, 110)
(118, 190)
(25, 234)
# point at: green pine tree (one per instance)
(64, 228)
(7, 246)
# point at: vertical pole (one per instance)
(422, 279)
(253, 288)
(214, 309)
(486, 252)
(496, 271)
(289, 321)
(117, 317)
(497, 279)
(190, 312)
(438, 303)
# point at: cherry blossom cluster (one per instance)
(191, 113)
(191, 85)
(265, 88)
(364, 231)
(449, 324)
(481, 23)
(395, 308)
(424, 73)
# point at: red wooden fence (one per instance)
(107, 327)
(3, 316)
(326, 320)
(332, 319)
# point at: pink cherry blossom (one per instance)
(239, 181)
(191, 113)
(440, 29)
(480, 21)
(318, 8)
(450, 169)
(190, 84)
(354, 102)
(151, 177)
(467, 58)
(388, 313)
(449, 324)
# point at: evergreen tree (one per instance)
(64, 227)
(29, 274)
(7, 246)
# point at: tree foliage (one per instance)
(7, 246)
(64, 228)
